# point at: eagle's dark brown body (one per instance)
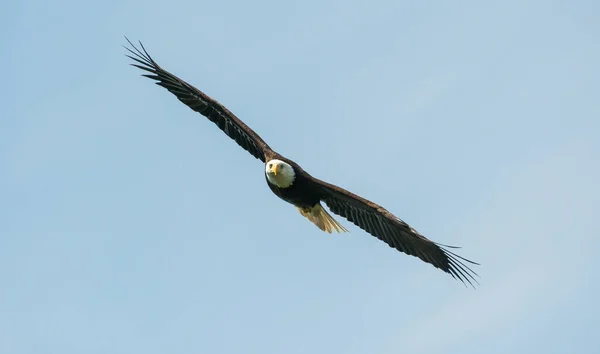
(307, 192)
(303, 193)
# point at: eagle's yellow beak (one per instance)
(275, 168)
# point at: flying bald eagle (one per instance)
(294, 185)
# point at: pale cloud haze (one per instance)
(130, 224)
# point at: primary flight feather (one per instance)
(294, 185)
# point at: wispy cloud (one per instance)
(534, 257)
(500, 302)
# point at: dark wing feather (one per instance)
(392, 230)
(201, 103)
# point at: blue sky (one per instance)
(130, 224)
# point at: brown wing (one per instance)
(201, 103)
(392, 230)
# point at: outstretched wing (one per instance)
(392, 230)
(201, 103)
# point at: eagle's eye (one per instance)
(270, 165)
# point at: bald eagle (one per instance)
(290, 182)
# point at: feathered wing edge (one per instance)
(387, 227)
(201, 103)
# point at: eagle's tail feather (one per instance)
(320, 217)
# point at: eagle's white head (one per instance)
(280, 173)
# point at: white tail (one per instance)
(320, 217)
